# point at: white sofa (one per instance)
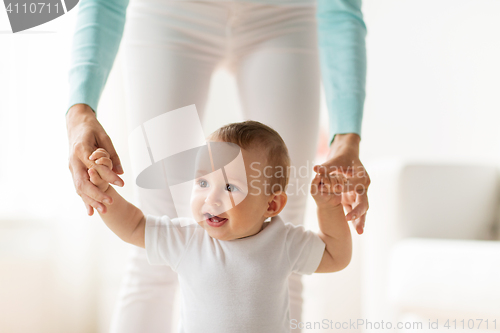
(431, 247)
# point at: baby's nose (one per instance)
(214, 198)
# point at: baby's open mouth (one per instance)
(214, 220)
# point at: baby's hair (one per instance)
(253, 134)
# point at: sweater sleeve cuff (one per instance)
(86, 84)
(346, 115)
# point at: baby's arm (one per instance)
(334, 230)
(123, 218)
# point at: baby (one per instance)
(233, 265)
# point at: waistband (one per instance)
(288, 3)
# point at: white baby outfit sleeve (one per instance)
(166, 240)
(305, 249)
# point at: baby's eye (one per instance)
(231, 188)
(202, 183)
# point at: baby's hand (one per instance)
(102, 161)
(326, 189)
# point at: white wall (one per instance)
(431, 94)
(433, 84)
(47, 262)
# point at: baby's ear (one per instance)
(276, 204)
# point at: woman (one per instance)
(171, 49)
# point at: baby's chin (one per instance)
(217, 235)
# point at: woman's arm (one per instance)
(98, 33)
(341, 33)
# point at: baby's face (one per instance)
(236, 208)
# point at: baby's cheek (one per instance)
(239, 197)
(196, 205)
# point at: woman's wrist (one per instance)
(343, 143)
(79, 114)
(79, 111)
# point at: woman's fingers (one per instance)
(83, 185)
(80, 157)
(360, 207)
(90, 209)
(358, 184)
(359, 224)
(78, 171)
(81, 177)
(85, 133)
(348, 209)
(93, 204)
(362, 223)
(95, 193)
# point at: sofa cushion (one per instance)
(445, 276)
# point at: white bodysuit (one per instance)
(233, 286)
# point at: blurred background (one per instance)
(430, 142)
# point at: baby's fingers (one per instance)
(99, 152)
(95, 178)
(338, 182)
(316, 182)
(104, 161)
(320, 184)
(108, 175)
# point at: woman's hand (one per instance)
(344, 158)
(85, 135)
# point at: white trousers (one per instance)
(170, 50)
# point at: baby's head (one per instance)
(234, 204)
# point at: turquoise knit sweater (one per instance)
(341, 33)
